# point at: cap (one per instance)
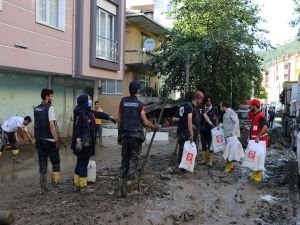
(255, 102)
(134, 86)
(82, 99)
(199, 95)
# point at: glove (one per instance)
(113, 120)
(212, 126)
(78, 145)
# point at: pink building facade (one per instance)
(71, 46)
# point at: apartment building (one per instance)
(71, 46)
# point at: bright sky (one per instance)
(278, 14)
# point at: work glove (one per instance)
(113, 120)
(156, 128)
(78, 145)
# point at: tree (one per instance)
(296, 22)
(219, 37)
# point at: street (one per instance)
(207, 196)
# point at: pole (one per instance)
(187, 74)
(149, 147)
(231, 91)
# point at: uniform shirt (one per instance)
(12, 124)
(183, 127)
(51, 117)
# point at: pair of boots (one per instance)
(81, 185)
(229, 167)
(257, 175)
(207, 157)
(43, 181)
(125, 186)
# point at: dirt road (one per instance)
(208, 196)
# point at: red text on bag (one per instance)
(189, 157)
(251, 154)
(219, 138)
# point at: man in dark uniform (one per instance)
(198, 110)
(131, 120)
(47, 143)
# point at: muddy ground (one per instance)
(207, 196)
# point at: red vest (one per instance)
(255, 128)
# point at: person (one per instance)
(185, 124)
(131, 135)
(84, 139)
(47, 140)
(230, 127)
(271, 113)
(10, 127)
(206, 137)
(197, 116)
(258, 132)
(98, 122)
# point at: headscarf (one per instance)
(82, 103)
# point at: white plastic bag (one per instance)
(188, 156)
(234, 150)
(255, 155)
(92, 171)
(218, 140)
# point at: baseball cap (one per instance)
(199, 95)
(255, 102)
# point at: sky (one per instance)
(278, 14)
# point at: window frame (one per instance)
(61, 15)
(144, 79)
(104, 82)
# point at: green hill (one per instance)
(271, 55)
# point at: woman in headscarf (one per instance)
(83, 140)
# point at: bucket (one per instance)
(92, 171)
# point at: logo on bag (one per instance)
(219, 139)
(251, 154)
(189, 157)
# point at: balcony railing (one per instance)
(106, 49)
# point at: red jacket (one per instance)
(256, 129)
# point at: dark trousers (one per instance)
(11, 138)
(47, 149)
(81, 166)
(271, 120)
(98, 131)
(206, 140)
(131, 151)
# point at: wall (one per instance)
(110, 104)
(49, 49)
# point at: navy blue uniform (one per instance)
(131, 131)
(206, 138)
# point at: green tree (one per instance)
(219, 37)
(296, 21)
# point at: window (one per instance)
(144, 38)
(145, 81)
(113, 87)
(106, 46)
(51, 13)
(1, 5)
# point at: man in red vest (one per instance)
(258, 132)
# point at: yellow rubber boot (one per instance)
(258, 176)
(204, 156)
(229, 167)
(76, 182)
(15, 152)
(210, 158)
(253, 175)
(0, 154)
(55, 178)
(82, 182)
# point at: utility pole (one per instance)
(187, 74)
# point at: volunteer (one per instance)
(98, 128)
(198, 110)
(231, 129)
(206, 137)
(83, 140)
(258, 132)
(131, 119)
(185, 125)
(10, 127)
(47, 140)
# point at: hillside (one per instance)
(272, 54)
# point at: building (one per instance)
(159, 10)
(141, 29)
(69, 46)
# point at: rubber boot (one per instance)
(229, 167)
(83, 186)
(43, 183)
(129, 186)
(122, 187)
(55, 179)
(15, 154)
(253, 175)
(0, 154)
(76, 183)
(210, 159)
(204, 155)
(258, 176)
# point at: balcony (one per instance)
(106, 49)
(136, 57)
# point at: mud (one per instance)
(207, 196)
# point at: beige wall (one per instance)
(110, 104)
(48, 50)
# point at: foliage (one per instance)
(296, 22)
(219, 37)
(261, 94)
(149, 91)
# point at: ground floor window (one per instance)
(111, 87)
